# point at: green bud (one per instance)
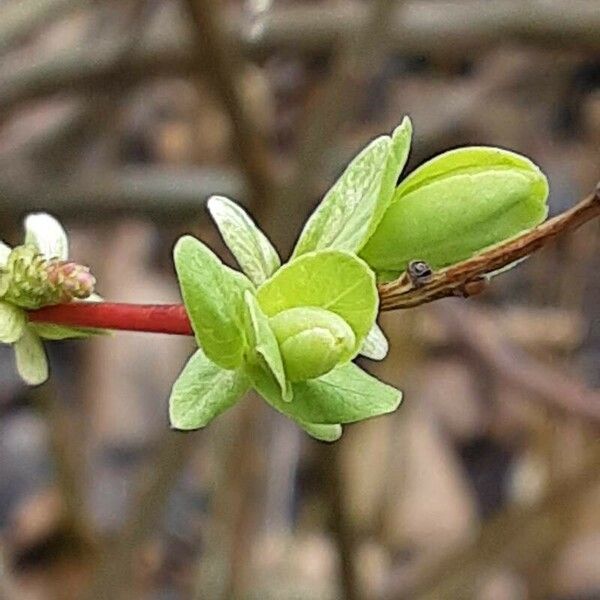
(312, 341)
(32, 281)
(456, 205)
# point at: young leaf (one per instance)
(12, 323)
(352, 208)
(265, 344)
(375, 345)
(32, 363)
(323, 433)
(213, 296)
(50, 331)
(203, 391)
(344, 395)
(330, 279)
(251, 248)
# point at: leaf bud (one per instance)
(454, 206)
(312, 341)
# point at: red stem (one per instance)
(151, 318)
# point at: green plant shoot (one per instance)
(292, 331)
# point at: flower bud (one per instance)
(34, 281)
(312, 341)
(455, 205)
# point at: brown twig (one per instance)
(219, 65)
(463, 279)
(360, 52)
(466, 278)
(19, 19)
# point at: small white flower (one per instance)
(48, 237)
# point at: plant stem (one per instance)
(151, 318)
(400, 294)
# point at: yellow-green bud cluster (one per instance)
(32, 281)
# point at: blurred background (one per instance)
(121, 117)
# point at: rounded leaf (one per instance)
(213, 295)
(202, 392)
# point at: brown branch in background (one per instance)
(468, 277)
(440, 29)
(114, 571)
(482, 338)
(21, 18)
(360, 51)
(65, 444)
(219, 66)
(519, 537)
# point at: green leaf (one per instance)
(352, 208)
(323, 433)
(251, 248)
(456, 205)
(344, 395)
(203, 391)
(47, 235)
(330, 279)
(213, 295)
(12, 322)
(375, 345)
(265, 344)
(32, 363)
(50, 331)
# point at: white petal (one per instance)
(47, 234)
(12, 322)
(4, 252)
(91, 298)
(32, 363)
(375, 345)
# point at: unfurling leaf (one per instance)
(264, 343)
(352, 208)
(251, 248)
